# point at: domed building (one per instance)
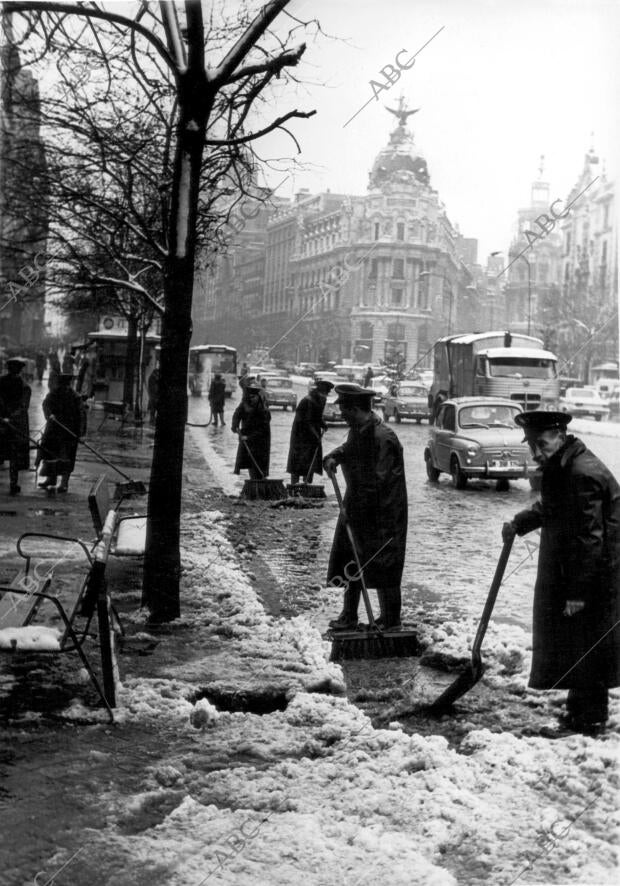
(399, 255)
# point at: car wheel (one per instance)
(459, 480)
(397, 418)
(502, 485)
(431, 472)
(597, 417)
(418, 421)
(284, 408)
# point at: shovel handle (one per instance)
(360, 571)
(491, 598)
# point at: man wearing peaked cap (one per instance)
(305, 454)
(576, 635)
(376, 504)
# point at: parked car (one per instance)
(280, 392)
(477, 437)
(324, 375)
(408, 401)
(306, 368)
(584, 402)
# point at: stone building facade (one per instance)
(23, 212)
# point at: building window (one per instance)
(374, 264)
(397, 296)
(400, 231)
(377, 230)
(398, 268)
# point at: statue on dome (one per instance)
(401, 112)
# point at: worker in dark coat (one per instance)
(376, 505)
(14, 425)
(41, 362)
(251, 420)
(54, 362)
(217, 399)
(305, 455)
(59, 446)
(576, 637)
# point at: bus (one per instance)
(205, 361)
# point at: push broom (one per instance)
(308, 489)
(264, 488)
(130, 486)
(373, 642)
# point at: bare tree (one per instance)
(204, 91)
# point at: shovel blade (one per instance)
(463, 683)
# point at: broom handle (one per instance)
(310, 471)
(249, 451)
(94, 451)
(360, 571)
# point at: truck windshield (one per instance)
(521, 366)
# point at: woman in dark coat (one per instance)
(376, 505)
(305, 455)
(576, 637)
(251, 421)
(58, 448)
(15, 430)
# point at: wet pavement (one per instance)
(60, 779)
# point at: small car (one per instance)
(584, 402)
(408, 401)
(324, 375)
(332, 414)
(477, 437)
(280, 392)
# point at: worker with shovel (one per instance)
(305, 455)
(576, 633)
(14, 427)
(59, 444)
(376, 507)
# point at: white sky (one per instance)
(503, 83)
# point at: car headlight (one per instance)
(473, 450)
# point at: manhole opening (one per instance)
(252, 701)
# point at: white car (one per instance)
(582, 402)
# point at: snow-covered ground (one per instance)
(314, 791)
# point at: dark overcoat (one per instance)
(217, 394)
(252, 422)
(68, 407)
(14, 403)
(376, 504)
(579, 559)
(305, 452)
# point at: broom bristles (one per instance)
(374, 644)
(306, 490)
(263, 489)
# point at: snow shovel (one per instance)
(136, 487)
(468, 679)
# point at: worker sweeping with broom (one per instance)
(65, 413)
(305, 455)
(372, 528)
(251, 420)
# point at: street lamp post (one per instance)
(529, 293)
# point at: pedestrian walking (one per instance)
(305, 454)
(376, 505)
(576, 637)
(54, 363)
(251, 420)
(68, 363)
(41, 363)
(217, 398)
(244, 378)
(59, 447)
(14, 425)
(368, 377)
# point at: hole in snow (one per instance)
(250, 701)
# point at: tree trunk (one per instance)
(162, 561)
